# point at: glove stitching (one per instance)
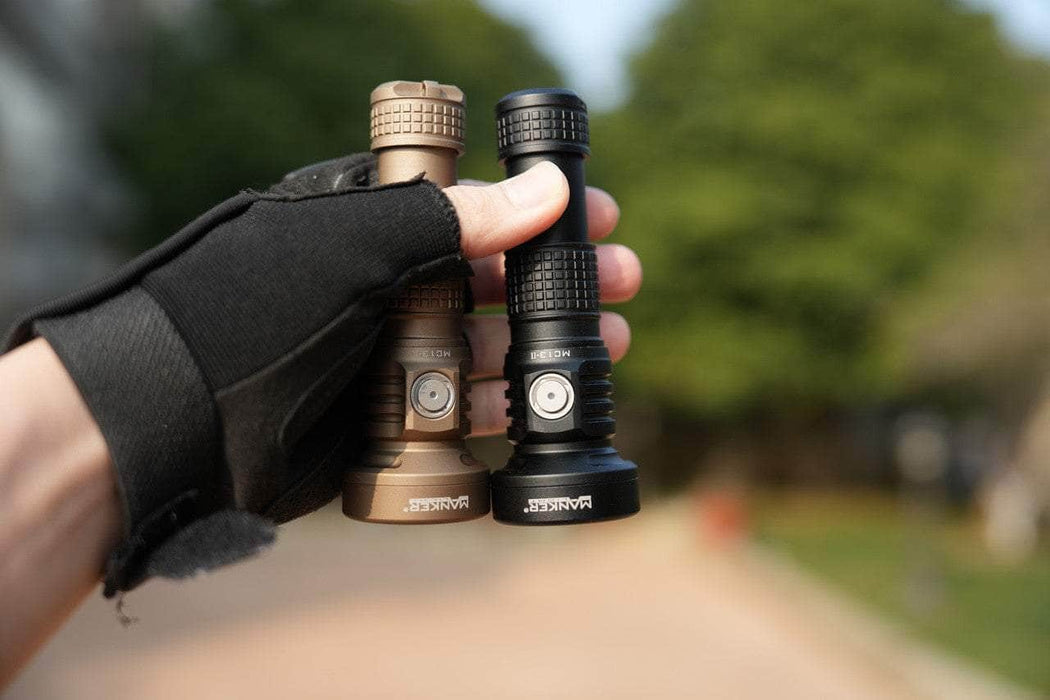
(285, 442)
(352, 189)
(321, 467)
(192, 352)
(403, 280)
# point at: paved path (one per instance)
(633, 609)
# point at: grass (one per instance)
(930, 572)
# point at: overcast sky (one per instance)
(591, 40)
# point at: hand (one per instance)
(494, 218)
(109, 434)
(222, 367)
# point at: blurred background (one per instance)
(838, 385)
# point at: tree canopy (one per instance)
(246, 91)
(787, 170)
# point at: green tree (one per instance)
(787, 171)
(247, 91)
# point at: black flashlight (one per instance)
(564, 468)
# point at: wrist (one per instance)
(58, 500)
(44, 421)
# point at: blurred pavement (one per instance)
(636, 608)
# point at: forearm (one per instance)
(59, 509)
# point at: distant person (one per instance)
(160, 422)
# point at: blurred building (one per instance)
(64, 66)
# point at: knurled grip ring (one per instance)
(444, 296)
(553, 278)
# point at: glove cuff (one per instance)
(157, 415)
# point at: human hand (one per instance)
(221, 367)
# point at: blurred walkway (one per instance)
(620, 610)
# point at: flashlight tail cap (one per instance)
(408, 113)
(541, 120)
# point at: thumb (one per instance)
(500, 216)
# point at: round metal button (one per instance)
(551, 396)
(433, 395)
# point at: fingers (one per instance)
(619, 270)
(489, 281)
(619, 273)
(489, 337)
(603, 213)
(496, 217)
(488, 408)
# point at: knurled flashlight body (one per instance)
(416, 467)
(564, 468)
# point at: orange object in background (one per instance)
(722, 515)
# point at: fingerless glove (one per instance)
(221, 366)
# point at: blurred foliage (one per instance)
(787, 171)
(980, 321)
(246, 91)
(790, 173)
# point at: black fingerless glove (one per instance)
(221, 365)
